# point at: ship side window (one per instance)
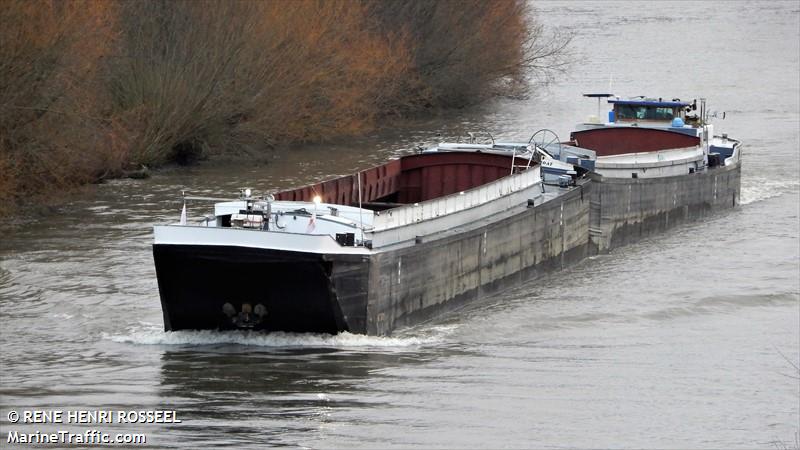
(630, 112)
(660, 113)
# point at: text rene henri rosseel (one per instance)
(96, 416)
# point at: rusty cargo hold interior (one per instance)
(411, 179)
(610, 141)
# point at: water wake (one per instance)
(763, 189)
(152, 335)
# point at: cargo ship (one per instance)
(659, 164)
(424, 234)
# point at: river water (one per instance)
(685, 340)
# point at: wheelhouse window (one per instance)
(664, 113)
(641, 112)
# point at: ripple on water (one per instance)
(727, 304)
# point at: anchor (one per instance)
(248, 317)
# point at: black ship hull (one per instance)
(221, 287)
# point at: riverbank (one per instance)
(97, 90)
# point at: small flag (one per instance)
(312, 222)
(183, 214)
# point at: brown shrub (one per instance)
(220, 76)
(50, 113)
(91, 86)
(464, 51)
(339, 75)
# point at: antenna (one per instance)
(703, 111)
(360, 212)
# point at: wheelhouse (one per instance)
(646, 109)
